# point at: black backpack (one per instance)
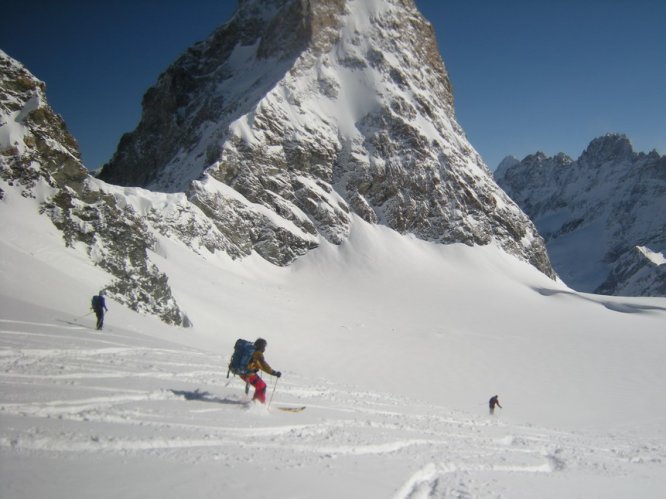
(94, 303)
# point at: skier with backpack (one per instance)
(247, 360)
(98, 304)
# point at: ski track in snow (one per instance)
(62, 397)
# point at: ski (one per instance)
(290, 409)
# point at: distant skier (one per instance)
(99, 307)
(494, 401)
(255, 365)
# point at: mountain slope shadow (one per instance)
(616, 306)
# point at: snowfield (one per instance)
(393, 344)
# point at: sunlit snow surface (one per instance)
(393, 344)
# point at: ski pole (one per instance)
(85, 315)
(273, 393)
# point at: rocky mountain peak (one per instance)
(31, 130)
(612, 147)
(311, 112)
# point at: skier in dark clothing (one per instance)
(99, 306)
(494, 401)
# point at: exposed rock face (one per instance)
(304, 112)
(39, 159)
(602, 216)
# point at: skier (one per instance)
(99, 306)
(494, 401)
(255, 365)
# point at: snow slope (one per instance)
(394, 344)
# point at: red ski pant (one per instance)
(259, 387)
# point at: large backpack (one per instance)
(241, 357)
(95, 302)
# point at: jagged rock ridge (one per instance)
(602, 216)
(296, 114)
(39, 159)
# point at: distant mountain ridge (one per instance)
(603, 216)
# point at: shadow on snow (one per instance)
(625, 308)
(206, 397)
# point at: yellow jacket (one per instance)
(259, 363)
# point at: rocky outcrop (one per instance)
(601, 215)
(39, 159)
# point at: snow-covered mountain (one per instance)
(297, 114)
(603, 216)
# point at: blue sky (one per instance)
(528, 75)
